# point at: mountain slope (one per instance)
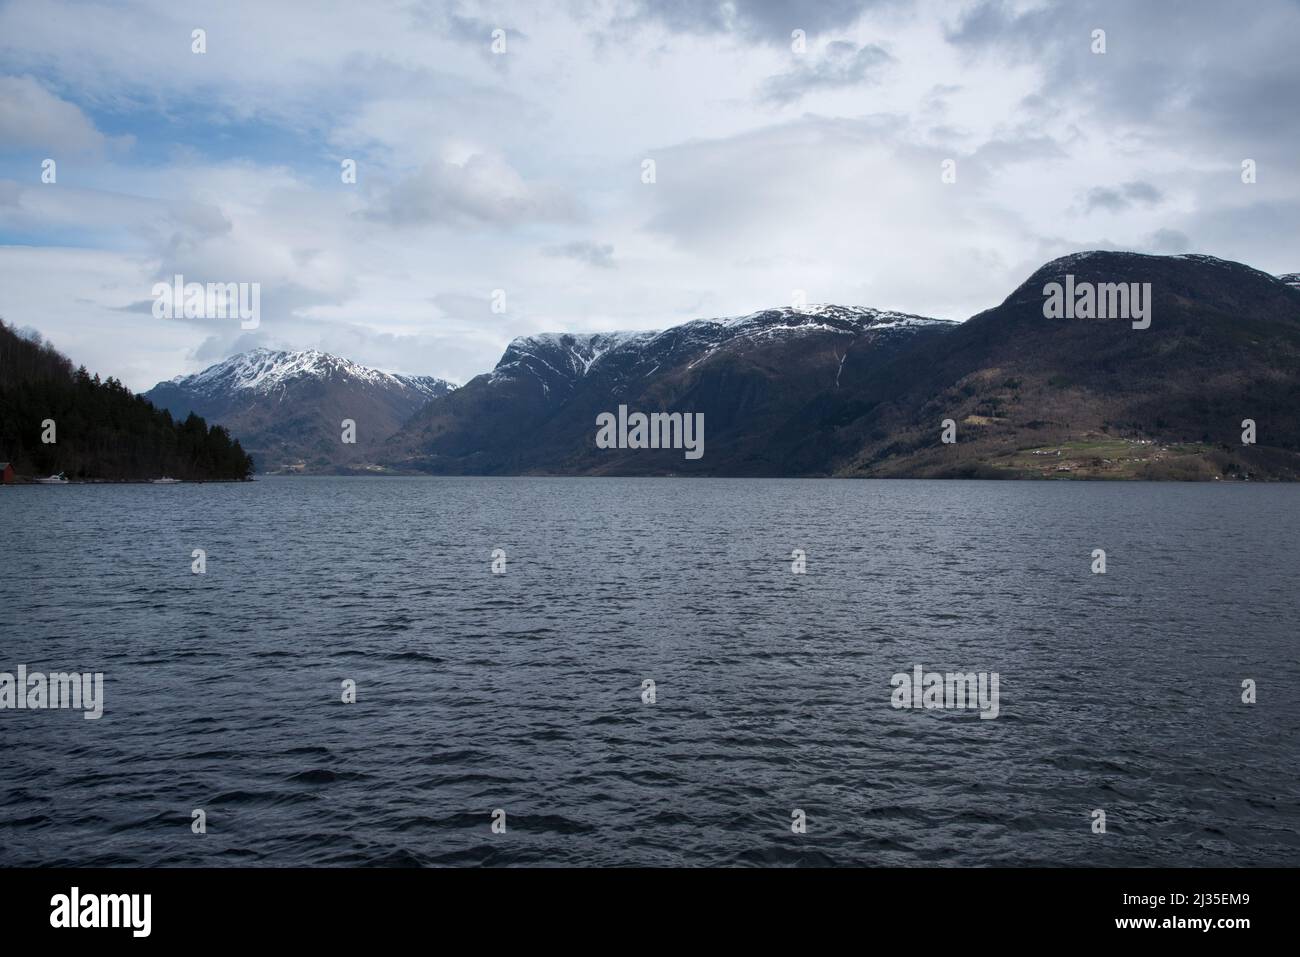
(1163, 402)
(750, 376)
(287, 407)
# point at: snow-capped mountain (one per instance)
(287, 408)
(1291, 279)
(267, 371)
(748, 374)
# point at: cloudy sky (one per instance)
(776, 168)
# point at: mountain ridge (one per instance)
(533, 411)
(262, 369)
(858, 391)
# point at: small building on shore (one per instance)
(6, 473)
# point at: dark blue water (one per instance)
(522, 691)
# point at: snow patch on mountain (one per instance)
(574, 355)
(711, 335)
(264, 371)
(567, 354)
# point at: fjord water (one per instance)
(522, 691)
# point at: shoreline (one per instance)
(31, 480)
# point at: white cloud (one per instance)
(31, 117)
(481, 189)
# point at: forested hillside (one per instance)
(102, 430)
